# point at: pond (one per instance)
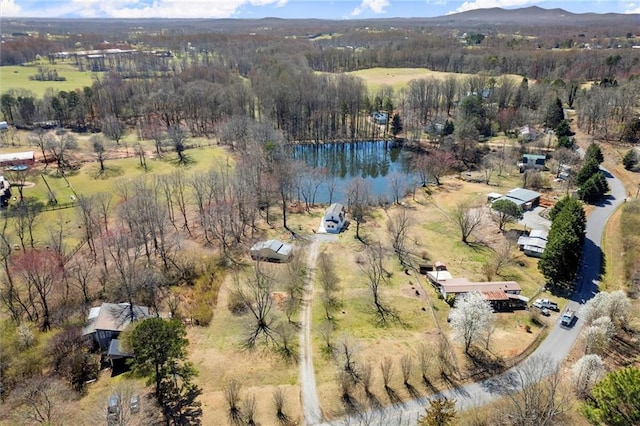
(377, 162)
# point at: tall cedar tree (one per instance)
(594, 152)
(615, 400)
(588, 169)
(561, 258)
(555, 114)
(594, 188)
(156, 345)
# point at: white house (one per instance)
(334, 218)
(534, 244)
(272, 251)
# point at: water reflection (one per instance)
(375, 161)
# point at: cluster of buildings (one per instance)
(503, 295)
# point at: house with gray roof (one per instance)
(107, 321)
(525, 198)
(272, 251)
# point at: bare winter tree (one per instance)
(399, 226)
(406, 366)
(535, 394)
(377, 276)
(328, 279)
(293, 280)
(113, 128)
(358, 193)
(255, 294)
(58, 146)
(347, 357)
(177, 136)
(232, 395)
(39, 401)
(468, 219)
(398, 187)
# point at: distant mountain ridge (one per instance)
(535, 15)
(526, 17)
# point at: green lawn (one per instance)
(17, 77)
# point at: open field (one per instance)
(400, 77)
(17, 78)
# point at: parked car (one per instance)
(545, 312)
(546, 303)
(567, 318)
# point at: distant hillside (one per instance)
(535, 15)
(529, 17)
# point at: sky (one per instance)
(254, 9)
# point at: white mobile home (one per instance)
(334, 218)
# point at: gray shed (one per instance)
(272, 251)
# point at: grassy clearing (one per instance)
(400, 77)
(17, 78)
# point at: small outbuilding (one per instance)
(272, 251)
(27, 158)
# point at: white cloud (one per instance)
(632, 7)
(9, 8)
(133, 8)
(486, 4)
(376, 6)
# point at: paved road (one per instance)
(555, 347)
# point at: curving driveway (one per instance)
(556, 346)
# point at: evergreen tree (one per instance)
(566, 142)
(396, 124)
(563, 129)
(615, 401)
(561, 258)
(159, 349)
(594, 188)
(555, 114)
(588, 169)
(630, 159)
(594, 152)
(505, 211)
(440, 412)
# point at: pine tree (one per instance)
(630, 159)
(615, 400)
(555, 114)
(594, 152)
(561, 258)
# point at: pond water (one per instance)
(377, 162)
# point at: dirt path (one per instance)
(309, 395)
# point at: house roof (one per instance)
(459, 286)
(524, 195)
(493, 296)
(17, 156)
(116, 350)
(335, 208)
(114, 317)
(539, 233)
(534, 157)
(440, 275)
(273, 245)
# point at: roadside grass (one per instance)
(17, 78)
